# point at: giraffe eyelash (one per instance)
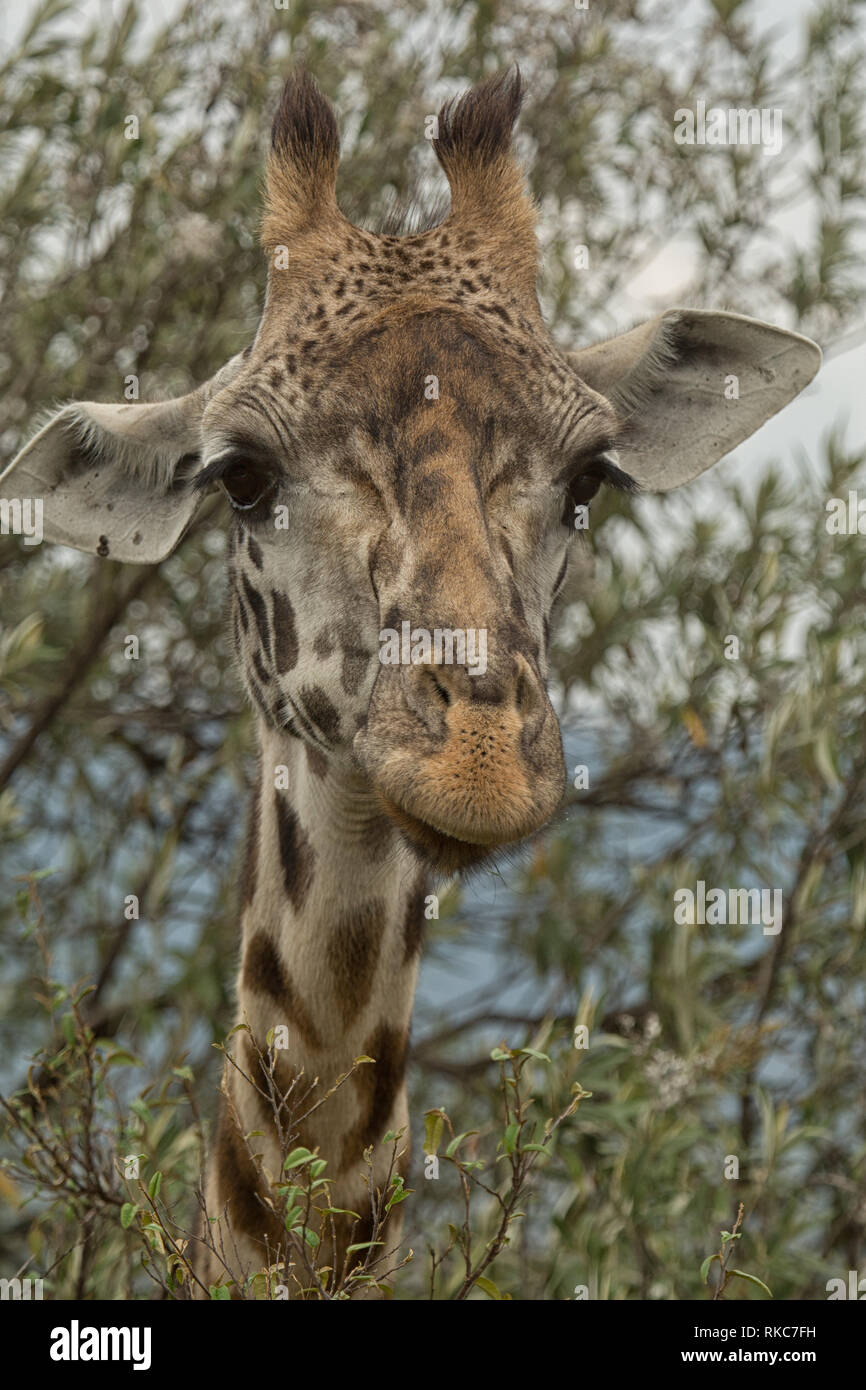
(254, 479)
(600, 465)
(215, 471)
(582, 482)
(614, 476)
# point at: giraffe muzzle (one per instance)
(463, 764)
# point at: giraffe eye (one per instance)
(578, 493)
(245, 484)
(582, 490)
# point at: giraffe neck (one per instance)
(332, 919)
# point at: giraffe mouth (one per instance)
(442, 850)
(465, 778)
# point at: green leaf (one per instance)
(434, 1124)
(39, 874)
(705, 1267)
(399, 1194)
(531, 1052)
(825, 758)
(296, 1158)
(509, 1138)
(363, 1245)
(457, 1141)
(127, 1214)
(752, 1279)
(221, 1292)
(155, 1185)
(488, 1287)
(121, 1058)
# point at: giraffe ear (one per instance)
(691, 386)
(111, 479)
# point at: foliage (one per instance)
(127, 777)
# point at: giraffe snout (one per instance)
(464, 763)
(429, 689)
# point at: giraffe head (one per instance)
(404, 447)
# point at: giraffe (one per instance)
(403, 443)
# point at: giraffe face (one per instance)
(401, 444)
(415, 477)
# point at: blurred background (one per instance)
(139, 257)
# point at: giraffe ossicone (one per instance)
(362, 501)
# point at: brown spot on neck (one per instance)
(239, 1185)
(296, 852)
(378, 1088)
(414, 920)
(251, 849)
(355, 943)
(264, 971)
